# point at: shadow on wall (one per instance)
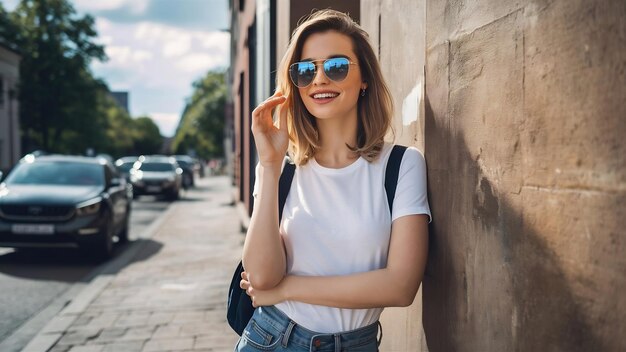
(492, 283)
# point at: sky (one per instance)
(156, 49)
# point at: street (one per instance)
(32, 279)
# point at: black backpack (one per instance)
(240, 307)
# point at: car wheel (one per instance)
(123, 235)
(175, 194)
(101, 248)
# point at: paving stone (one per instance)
(60, 348)
(195, 329)
(138, 333)
(167, 331)
(127, 346)
(110, 334)
(88, 348)
(169, 344)
(159, 318)
(78, 337)
(81, 321)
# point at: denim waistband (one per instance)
(315, 341)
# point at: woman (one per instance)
(322, 276)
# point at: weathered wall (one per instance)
(523, 130)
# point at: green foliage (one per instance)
(146, 136)
(57, 91)
(63, 108)
(201, 127)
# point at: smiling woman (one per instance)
(345, 247)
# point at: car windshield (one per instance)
(57, 173)
(156, 167)
(125, 166)
(183, 163)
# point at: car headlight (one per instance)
(135, 175)
(89, 207)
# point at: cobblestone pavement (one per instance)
(172, 297)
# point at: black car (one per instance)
(64, 201)
(187, 164)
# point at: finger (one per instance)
(282, 116)
(265, 108)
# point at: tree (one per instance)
(201, 127)
(58, 94)
(146, 135)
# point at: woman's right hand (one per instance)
(271, 141)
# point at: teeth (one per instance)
(324, 95)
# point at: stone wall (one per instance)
(520, 113)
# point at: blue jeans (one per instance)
(271, 330)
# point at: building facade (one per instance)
(10, 151)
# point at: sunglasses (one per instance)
(303, 73)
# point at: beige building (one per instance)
(10, 150)
(519, 109)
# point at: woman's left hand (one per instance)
(262, 298)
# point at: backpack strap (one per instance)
(284, 185)
(392, 172)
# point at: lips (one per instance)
(324, 95)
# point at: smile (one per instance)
(325, 95)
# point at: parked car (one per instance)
(124, 165)
(187, 164)
(157, 175)
(64, 201)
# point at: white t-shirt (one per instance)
(337, 222)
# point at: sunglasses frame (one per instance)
(315, 65)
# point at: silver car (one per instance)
(157, 176)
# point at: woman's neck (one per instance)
(335, 135)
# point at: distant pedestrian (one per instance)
(322, 274)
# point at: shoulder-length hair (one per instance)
(374, 109)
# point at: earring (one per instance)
(363, 92)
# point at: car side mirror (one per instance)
(1, 176)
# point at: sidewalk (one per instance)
(172, 295)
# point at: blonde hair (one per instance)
(374, 110)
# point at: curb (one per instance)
(72, 308)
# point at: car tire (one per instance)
(174, 195)
(123, 235)
(101, 247)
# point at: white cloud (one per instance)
(157, 63)
(198, 62)
(121, 56)
(141, 55)
(167, 122)
(105, 40)
(175, 48)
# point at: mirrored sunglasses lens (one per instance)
(337, 68)
(302, 73)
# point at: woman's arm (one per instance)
(395, 285)
(264, 257)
